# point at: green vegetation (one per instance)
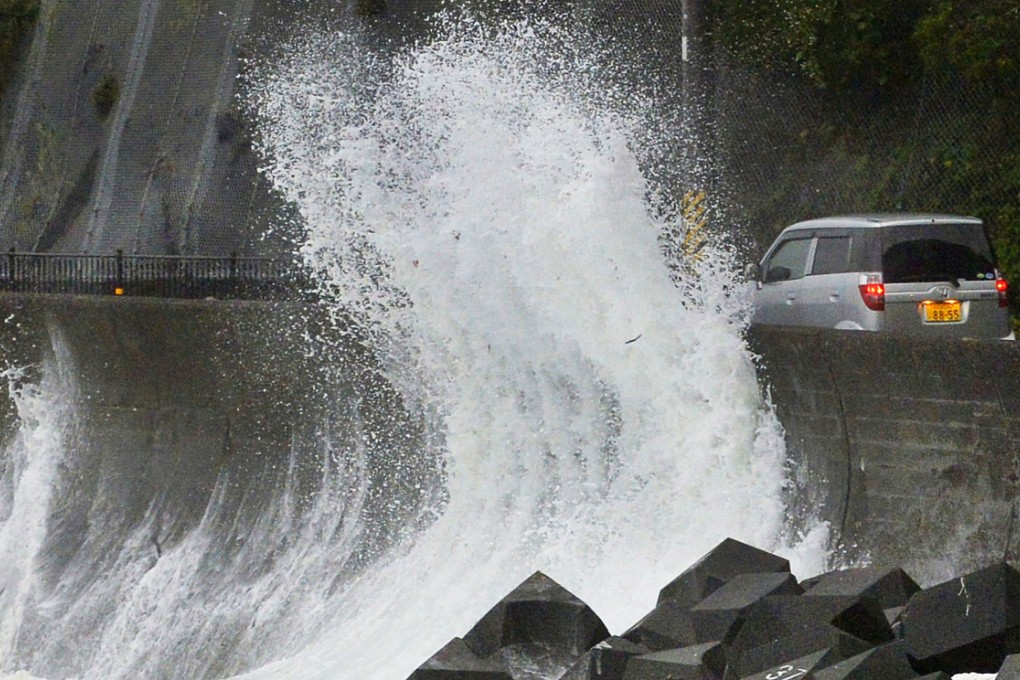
(980, 41)
(980, 38)
(861, 45)
(871, 44)
(920, 101)
(105, 95)
(17, 19)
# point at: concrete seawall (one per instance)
(200, 411)
(908, 447)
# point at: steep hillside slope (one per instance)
(121, 128)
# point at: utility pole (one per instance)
(693, 27)
(697, 84)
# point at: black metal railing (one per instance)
(168, 276)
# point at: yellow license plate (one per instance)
(942, 312)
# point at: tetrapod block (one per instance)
(795, 669)
(969, 624)
(779, 616)
(887, 662)
(668, 626)
(783, 627)
(539, 611)
(699, 662)
(891, 587)
(723, 562)
(605, 661)
(456, 661)
(713, 616)
(1010, 669)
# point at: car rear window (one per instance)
(936, 252)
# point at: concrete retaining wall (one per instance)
(909, 447)
(169, 168)
(168, 396)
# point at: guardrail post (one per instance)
(118, 285)
(10, 268)
(233, 287)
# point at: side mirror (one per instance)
(775, 274)
(752, 271)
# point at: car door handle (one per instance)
(834, 295)
(790, 297)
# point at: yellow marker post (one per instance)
(693, 209)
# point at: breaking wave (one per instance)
(485, 212)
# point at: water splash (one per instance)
(478, 205)
(481, 206)
(31, 480)
(108, 575)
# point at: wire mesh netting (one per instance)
(789, 151)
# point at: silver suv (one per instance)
(903, 274)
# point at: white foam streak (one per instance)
(31, 476)
(199, 592)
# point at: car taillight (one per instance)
(1002, 287)
(873, 293)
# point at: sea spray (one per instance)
(478, 207)
(482, 213)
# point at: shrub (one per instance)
(105, 95)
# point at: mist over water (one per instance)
(484, 206)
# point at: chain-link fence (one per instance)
(788, 150)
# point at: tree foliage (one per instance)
(868, 46)
(980, 39)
